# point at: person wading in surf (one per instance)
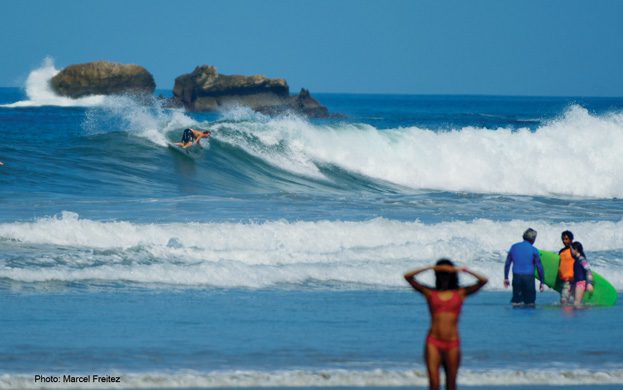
(582, 275)
(565, 268)
(443, 346)
(525, 258)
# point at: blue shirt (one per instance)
(524, 257)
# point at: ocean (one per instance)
(274, 258)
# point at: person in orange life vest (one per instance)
(582, 274)
(565, 268)
(442, 345)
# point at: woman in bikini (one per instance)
(582, 274)
(443, 346)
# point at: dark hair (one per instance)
(207, 132)
(568, 234)
(446, 280)
(578, 247)
(530, 235)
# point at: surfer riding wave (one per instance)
(192, 136)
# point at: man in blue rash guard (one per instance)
(524, 257)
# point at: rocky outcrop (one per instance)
(102, 78)
(306, 104)
(206, 90)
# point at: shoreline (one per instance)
(316, 378)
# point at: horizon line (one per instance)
(465, 94)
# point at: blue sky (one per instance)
(570, 48)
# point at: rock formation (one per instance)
(206, 90)
(102, 78)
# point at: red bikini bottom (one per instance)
(443, 345)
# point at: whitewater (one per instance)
(277, 253)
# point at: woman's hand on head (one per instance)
(446, 268)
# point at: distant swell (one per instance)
(329, 253)
(328, 378)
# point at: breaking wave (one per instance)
(371, 253)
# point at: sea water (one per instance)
(276, 257)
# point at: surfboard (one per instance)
(604, 293)
(195, 151)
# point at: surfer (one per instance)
(192, 136)
(443, 346)
(524, 257)
(582, 275)
(565, 267)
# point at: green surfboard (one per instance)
(604, 293)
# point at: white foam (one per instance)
(237, 113)
(575, 155)
(325, 378)
(375, 252)
(145, 119)
(40, 93)
(276, 141)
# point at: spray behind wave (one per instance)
(40, 93)
(146, 119)
(143, 118)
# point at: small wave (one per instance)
(371, 253)
(326, 378)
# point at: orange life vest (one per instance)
(565, 268)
